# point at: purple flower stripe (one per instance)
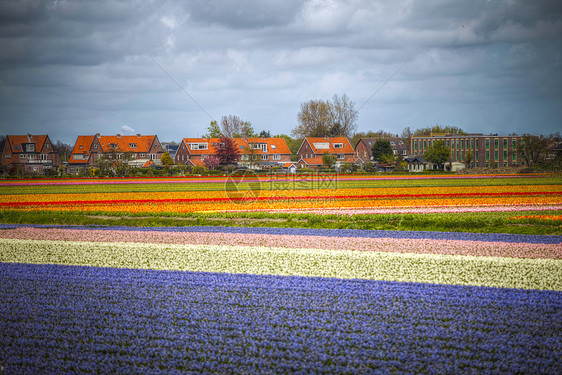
(418, 210)
(68, 319)
(462, 236)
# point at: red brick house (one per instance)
(363, 149)
(265, 152)
(312, 149)
(30, 154)
(144, 150)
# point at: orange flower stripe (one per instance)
(552, 190)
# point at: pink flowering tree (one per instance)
(212, 162)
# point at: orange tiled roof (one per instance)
(329, 143)
(312, 161)
(279, 143)
(211, 145)
(243, 144)
(82, 146)
(38, 140)
(197, 162)
(124, 142)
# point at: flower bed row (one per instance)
(525, 249)
(69, 319)
(259, 260)
(338, 233)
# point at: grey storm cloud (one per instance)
(78, 67)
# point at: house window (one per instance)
(264, 157)
(496, 143)
(514, 143)
(340, 145)
(487, 156)
(340, 156)
(514, 157)
(113, 145)
(273, 147)
(277, 157)
(487, 143)
(132, 145)
(17, 147)
(245, 157)
(8, 156)
(505, 143)
(496, 155)
(259, 146)
(43, 156)
(30, 147)
(199, 146)
(22, 156)
(476, 155)
(504, 154)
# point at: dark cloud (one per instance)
(80, 66)
(243, 14)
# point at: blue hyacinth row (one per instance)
(69, 319)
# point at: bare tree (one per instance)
(343, 115)
(231, 125)
(319, 118)
(315, 119)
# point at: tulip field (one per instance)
(282, 274)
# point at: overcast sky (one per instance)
(70, 68)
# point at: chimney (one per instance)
(118, 135)
(138, 135)
(98, 135)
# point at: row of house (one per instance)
(34, 154)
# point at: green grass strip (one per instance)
(545, 274)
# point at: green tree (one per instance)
(265, 134)
(167, 160)
(246, 130)
(438, 153)
(446, 129)
(328, 160)
(214, 130)
(381, 150)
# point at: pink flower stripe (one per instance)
(420, 246)
(420, 210)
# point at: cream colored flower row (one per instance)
(543, 274)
